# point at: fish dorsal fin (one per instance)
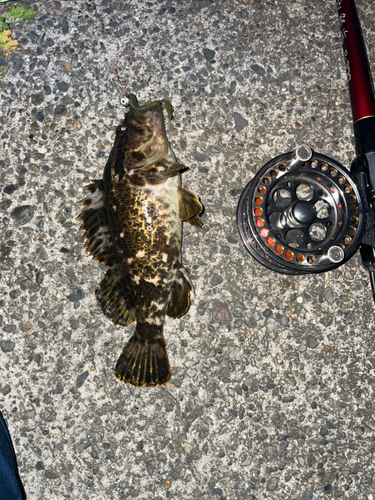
(179, 299)
(95, 224)
(189, 206)
(115, 298)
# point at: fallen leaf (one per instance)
(6, 42)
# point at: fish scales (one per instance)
(133, 221)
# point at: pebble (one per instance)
(81, 379)
(76, 295)
(167, 484)
(10, 189)
(65, 26)
(312, 342)
(23, 214)
(51, 474)
(328, 295)
(6, 389)
(37, 99)
(199, 157)
(208, 54)
(63, 87)
(39, 277)
(7, 345)
(239, 122)
(60, 110)
(221, 311)
(258, 69)
(267, 313)
(187, 447)
(272, 485)
(224, 328)
(306, 495)
(39, 116)
(216, 279)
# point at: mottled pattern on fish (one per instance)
(132, 221)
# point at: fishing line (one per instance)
(102, 46)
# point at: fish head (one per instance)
(144, 136)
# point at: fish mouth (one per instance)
(136, 169)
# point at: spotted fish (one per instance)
(132, 220)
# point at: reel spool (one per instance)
(302, 213)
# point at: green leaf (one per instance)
(16, 12)
(20, 13)
(3, 70)
(3, 26)
(29, 14)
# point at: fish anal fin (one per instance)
(189, 206)
(144, 360)
(115, 298)
(179, 299)
(94, 222)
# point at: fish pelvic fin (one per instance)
(189, 207)
(95, 224)
(115, 297)
(179, 299)
(144, 360)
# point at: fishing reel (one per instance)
(302, 213)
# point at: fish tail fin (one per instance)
(144, 359)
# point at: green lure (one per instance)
(133, 103)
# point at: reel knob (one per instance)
(302, 213)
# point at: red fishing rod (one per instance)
(362, 99)
(303, 212)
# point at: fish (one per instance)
(132, 219)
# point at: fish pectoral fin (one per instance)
(115, 298)
(95, 224)
(144, 359)
(150, 160)
(179, 298)
(166, 172)
(189, 206)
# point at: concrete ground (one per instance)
(272, 388)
